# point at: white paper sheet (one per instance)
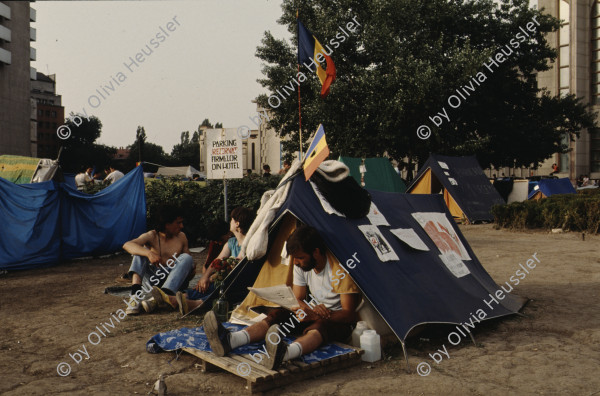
(378, 242)
(284, 254)
(281, 295)
(442, 233)
(376, 217)
(454, 264)
(410, 237)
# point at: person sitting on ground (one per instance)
(154, 249)
(286, 167)
(585, 181)
(241, 220)
(85, 176)
(332, 318)
(113, 175)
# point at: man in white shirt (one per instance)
(330, 315)
(83, 177)
(113, 175)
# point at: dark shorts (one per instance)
(330, 331)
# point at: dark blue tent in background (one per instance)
(417, 288)
(548, 187)
(467, 191)
(44, 223)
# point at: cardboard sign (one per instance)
(223, 154)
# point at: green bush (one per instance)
(203, 206)
(573, 212)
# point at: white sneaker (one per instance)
(133, 306)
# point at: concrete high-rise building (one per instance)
(50, 114)
(576, 71)
(17, 131)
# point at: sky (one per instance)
(205, 68)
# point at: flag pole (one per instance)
(299, 113)
(299, 104)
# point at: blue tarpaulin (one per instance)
(196, 338)
(44, 223)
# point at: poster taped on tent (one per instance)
(376, 217)
(441, 232)
(454, 264)
(410, 237)
(378, 242)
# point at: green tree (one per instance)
(148, 152)
(207, 123)
(79, 150)
(187, 152)
(400, 66)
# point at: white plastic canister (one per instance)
(357, 332)
(371, 343)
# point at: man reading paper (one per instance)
(331, 318)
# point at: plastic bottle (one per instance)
(356, 333)
(371, 343)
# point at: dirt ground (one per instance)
(553, 350)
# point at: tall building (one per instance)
(576, 71)
(49, 113)
(17, 132)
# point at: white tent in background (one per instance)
(183, 171)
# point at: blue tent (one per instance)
(548, 187)
(44, 223)
(467, 191)
(417, 288)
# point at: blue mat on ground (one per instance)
(195, 338)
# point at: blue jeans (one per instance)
(155, 276)
(193, 294)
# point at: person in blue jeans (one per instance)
(163, 256)
(241, 220)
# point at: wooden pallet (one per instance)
(260, 379)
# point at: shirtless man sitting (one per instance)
(151, 251)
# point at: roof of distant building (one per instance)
(43, 77)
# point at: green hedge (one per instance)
(203, 206)
(572, 212)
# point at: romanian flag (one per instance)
(317, 152)
(308, 48)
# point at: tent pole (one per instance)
(405, 357)
(472, 338)
(225, 193)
